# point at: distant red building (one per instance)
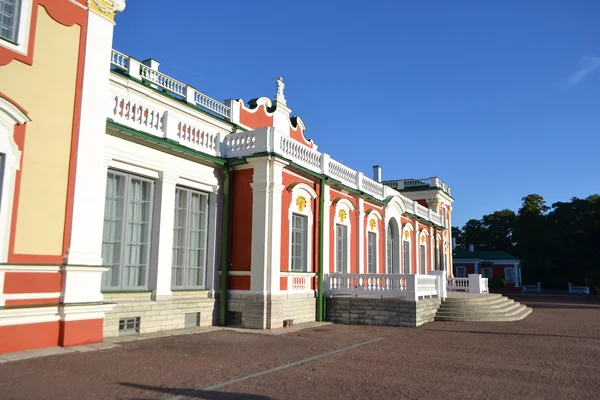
(490, 264)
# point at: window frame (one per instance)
(345, 248)
(22, 36)
(423, 258)
(461, 268)
(506, 275)
(372, 253)
(487, 269)
(186, 248)
(126, 230)
(303, 246)
(407, 241)
(301, 204)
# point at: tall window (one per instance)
(423, 259)
(390, 249)
(461, 272)
(9, 19)
(126, 238)
(299, 242)
(371, 253)
(509, 275)
(189, 239)
(486, 273)
(2, 162)
(444, 215)
(341, 248)
(406, 247)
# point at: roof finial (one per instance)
(280, 97)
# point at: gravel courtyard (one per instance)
(552, 354)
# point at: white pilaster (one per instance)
(326, 229)
(87, 222)
(267, 187)
(417, 252)
(361, 236)
(213, 238)
(162, 238)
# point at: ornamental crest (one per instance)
(301, 203)
(372, 224)
(423, 239)
(406, 234)
(342, 214)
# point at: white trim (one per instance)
(27, 296)
(133, 169)
(22, 45)
(239, 273)
(23, 316)
(303, 190)
(79, 313)
(197, 185)
(345, 205)
(10, 116)
(50, 269)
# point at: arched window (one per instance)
(342, 230)
(10, 161)
(392, 248)
(423, 252)
(406, 246)
(300, 217)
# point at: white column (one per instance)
(274, 255)
(267, 187)
(417, 252)
(361, 236)
(213, 238)
(475, 283)
(162, 238)
(326, 229)
(87, 223)
(449, 228)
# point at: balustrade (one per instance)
(299, 282)
(168, 124)
(409, 287)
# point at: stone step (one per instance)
(521, 314)
(510, 310)
(496, 302)
(482, 298)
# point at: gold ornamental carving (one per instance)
(372, 224)
(342, 215)
(406, 234)
(301, 203)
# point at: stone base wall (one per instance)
(387, 311)
(257, 311)
(160, 315)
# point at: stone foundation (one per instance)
(163, 314)
(257, 311)
(387, 311)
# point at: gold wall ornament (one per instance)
(342, 214)
(372, 224)
(406, 234)
(433, 202)
(301, 203)
(422, 238)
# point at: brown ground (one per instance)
(553, 354)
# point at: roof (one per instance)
(483, 255)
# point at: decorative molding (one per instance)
(406, 235)
(108, 8)
(372, 224)
(342, 214)
(301, 203)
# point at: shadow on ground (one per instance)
(191, 393)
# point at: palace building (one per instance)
(131, 202)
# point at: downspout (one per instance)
(320, 299)
(224, 249)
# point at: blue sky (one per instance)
(498, 98)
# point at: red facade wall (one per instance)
(241, 222)
(257, 119)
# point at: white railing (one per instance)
(119, 60)
(408, 287)
(414, 184)
(458, 284)
(475, 283)
(578, 289)
(136, 115)
(299, 282)
(163, 122)
(533, 288)
(146, 73)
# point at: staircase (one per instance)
(480, 307)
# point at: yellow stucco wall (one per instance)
(47, 91)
